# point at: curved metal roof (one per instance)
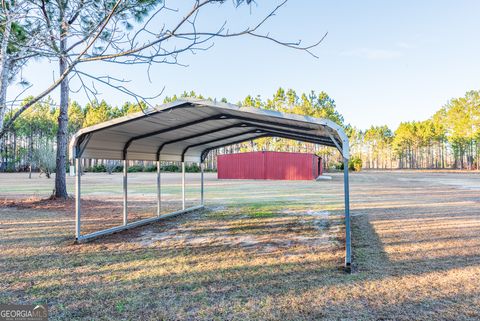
(188, 129)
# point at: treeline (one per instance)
(449, 139)
(29, 145)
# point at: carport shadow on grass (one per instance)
(418, 249)
(438, 284)
(370, 255)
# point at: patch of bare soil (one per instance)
(226, 234)
(55, 204)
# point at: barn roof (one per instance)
(188, 129)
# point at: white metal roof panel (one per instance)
(186, 129)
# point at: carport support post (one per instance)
(183, 185)
(202, 168)
(78, 177)
(125, 200)
(348, 250)
(159, 191)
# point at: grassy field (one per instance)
(263, 250)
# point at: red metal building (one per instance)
(269, 165)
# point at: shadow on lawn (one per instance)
(441, 234)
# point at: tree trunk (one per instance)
(61, 161)
(30, 155)
(443, 154)
(14, 151)
(478, 157)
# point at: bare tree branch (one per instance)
(107, 41)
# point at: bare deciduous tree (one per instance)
(75, 33)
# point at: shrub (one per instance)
(118, 169)
(170, 168)
(355, 164)
(135, 169)
(99, 168)
(193, 168)
(150, 168)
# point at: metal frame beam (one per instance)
(213, 131)
(82, 144)
(348, 238)
(125, 192)
(339, 148)
(166, 130)
(202, 188)
(159, 189)
(183, 185)
(220, 139)
(296, 135)
(204, 153)
(90, 236)
(267, 122)
(78, 209)
(260, 127)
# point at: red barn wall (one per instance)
(269, 165)
(241, 166)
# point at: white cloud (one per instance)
(373, 54)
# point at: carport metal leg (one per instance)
(183, 185)
(78, 177)
(202, 168)
(159, 191)
(348, 251)
(125, 200)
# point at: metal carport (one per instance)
(186, 130)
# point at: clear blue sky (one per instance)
(383, 61)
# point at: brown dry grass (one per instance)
(416, 246)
